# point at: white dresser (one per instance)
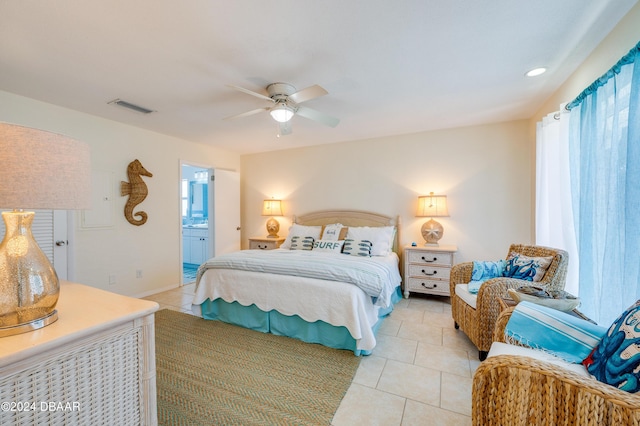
(427, 269)
(94, 366)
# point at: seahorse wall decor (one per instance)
(137, 191)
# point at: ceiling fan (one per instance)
(286, 103)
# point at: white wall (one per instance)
(484, 170)
(122, 248)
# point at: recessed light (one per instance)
(536, 71)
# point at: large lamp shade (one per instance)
(38, 170)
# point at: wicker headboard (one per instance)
(351, 218)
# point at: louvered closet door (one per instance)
(48, 227)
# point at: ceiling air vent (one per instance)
(132, 107)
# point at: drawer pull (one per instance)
(429, 261)
(262, 247)
(430, 288)
(426, 273)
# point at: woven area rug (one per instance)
(213, 373)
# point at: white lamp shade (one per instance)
(43, 170)
(432, 206)
(272, 208)
(38, 170)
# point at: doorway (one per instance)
(210, 215)
(195, 208)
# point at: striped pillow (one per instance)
(357, 247)
(301, 243)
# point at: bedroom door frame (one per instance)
(210, 233)
(224, 210)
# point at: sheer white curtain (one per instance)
(554, 216)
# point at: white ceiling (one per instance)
(390, 67)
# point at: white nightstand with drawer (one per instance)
(260, 243)
(427, 269)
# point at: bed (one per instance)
(320, 295)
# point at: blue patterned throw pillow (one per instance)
(484, 271)
(357, 247)
(301, 243)
(616, 359)
(527, 268)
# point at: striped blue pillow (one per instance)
(563, 335)
(301, 243)
(357, 247)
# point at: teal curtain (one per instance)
(604, 152)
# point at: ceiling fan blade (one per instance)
(246, 114)
(309, 93)
(284, 128)
(321, 117)
(250, 92)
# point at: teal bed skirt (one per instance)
(292, 326)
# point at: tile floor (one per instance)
(419, 373)
(189, 271)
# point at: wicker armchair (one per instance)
(521, 391)
(478, 324)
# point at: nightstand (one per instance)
(264, 243)
(427, 269)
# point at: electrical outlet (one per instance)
(112, 279)
(138, 273)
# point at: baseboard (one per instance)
(156, 291)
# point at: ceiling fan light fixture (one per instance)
(281, 112)
(285, 103)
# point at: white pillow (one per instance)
(380, 236)
(332, 232)
(301, 231)
(328, 245)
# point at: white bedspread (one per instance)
(312, 299)
(377, 276)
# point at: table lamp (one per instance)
(38, 170)
(272, 208)
(432, 206)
